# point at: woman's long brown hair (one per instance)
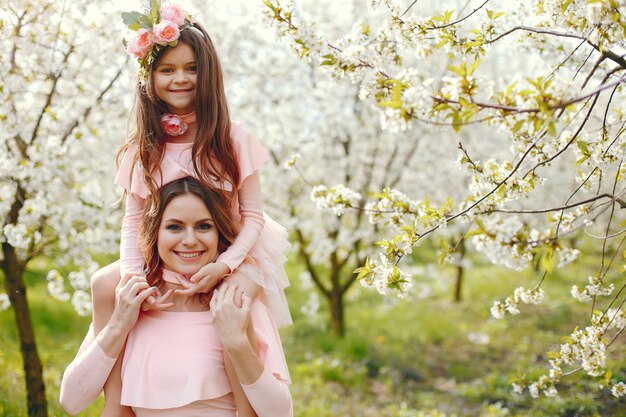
(212, 114)
(153, 216)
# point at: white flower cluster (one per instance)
(386, 277)
(612, 319)
(594, 288)
(301, 37)
(335, 199)
(503, 242)
(20, 236)
(56, 286)
(618, 390)
(567, 255)
(312, 305)
(488, 175)
(291, 161)
(392, 206)
(510, 305)
(5, 303)
(397, 116)
(586, 347)
(81, 300)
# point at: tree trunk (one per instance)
(459, 273)
(336, 312)
(16, 290)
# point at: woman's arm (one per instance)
(85, 377)
(267, 394)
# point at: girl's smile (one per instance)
(175, 79)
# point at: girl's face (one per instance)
(175, 79)
(187, 238)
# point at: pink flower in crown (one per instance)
(141, 44)
(172, 12)
(173, 125)
(165, 32)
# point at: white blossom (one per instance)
(5, 303)
(56, 286)
(618, 390)
(81, 301)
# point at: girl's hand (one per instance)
(158, 301)
(129, 296)
(205, 279)
(231, 321)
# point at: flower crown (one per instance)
(159, 26)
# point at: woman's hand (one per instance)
(230, 320)
(129, 296)
(205, 279)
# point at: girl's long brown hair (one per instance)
(213, 118)
(153, 216)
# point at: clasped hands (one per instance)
(230, 303)
(202, 281)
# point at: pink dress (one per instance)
(173, 366)
(260, 240)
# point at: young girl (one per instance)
(173, 361)
(183, 128)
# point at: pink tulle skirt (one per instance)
(265, 267)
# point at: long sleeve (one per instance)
(131, 260)
(84, 378)
(269, 396)
(251, 210)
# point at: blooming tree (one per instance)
(324, 145)
(553, 151)
(57, 95)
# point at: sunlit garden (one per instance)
(450, 175)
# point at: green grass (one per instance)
(407, 358)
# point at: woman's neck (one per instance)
(171, 280)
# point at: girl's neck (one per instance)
(189, 118)
(190, 135)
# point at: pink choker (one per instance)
(175, 125)
(170, 276)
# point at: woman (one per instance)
(174, 360)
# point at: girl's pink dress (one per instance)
(261, 241)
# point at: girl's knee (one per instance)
(106, 279)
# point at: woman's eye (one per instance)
(193, 69)
(173, 227)
(204, 226)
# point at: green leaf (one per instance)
(518, 125)
(460, 70)
(131, 18)
(145, 22)
(547, 260)
(473, 67)
(584, 149)
(329, 60)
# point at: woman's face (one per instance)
(175, 79)
(187, 238)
